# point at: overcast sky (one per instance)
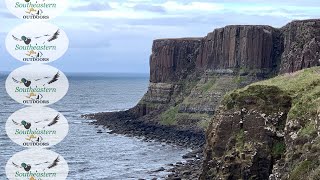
(117, 35)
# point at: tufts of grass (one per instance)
(208, 85)
(302, 170)
(240, 140)
(204, 124)
(187, 85)
(169, 117)
(263, 97)
(200, 120)
(303, 87)
(238, 79)
(308, 130)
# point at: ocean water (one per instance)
(93, 156)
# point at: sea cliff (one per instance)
(214, 85)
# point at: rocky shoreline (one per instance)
(126, 124)
(191, 169)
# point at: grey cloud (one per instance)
(151, 8)
(214, 20)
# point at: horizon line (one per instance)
(74, 72)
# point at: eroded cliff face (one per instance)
(173, 59)
(268, 130)
(242, 47)
(301, 45)
(246, 137)
(190, 76)
(172, 68)
(179, 67)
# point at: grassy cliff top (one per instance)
(300, 93)
(303, 87)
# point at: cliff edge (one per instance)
(254, 135)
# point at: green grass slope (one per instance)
(302, 126)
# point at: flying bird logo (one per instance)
(45, 81)
(37, 42)
(27, 40)
(47, 165)
(49, 122)
(53, 164)
(52, 122)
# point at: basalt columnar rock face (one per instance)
(193, 74)
(301, 45)
(172, 62)
(173, 59)
(231, 47)
(246, 47)
(174, 65)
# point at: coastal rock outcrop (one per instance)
(268, 130)
(247, 135)
(301, 45)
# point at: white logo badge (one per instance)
(36, 9)
(37, 85)
(37, 165)
(37, 127)
(37, 42)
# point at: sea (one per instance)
(91, 155)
